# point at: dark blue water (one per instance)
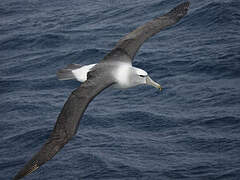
(190, 130)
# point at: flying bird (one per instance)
(115, 69)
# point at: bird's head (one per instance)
(142, 77)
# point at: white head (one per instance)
(129, 76)
(140, 76)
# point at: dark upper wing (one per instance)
(129, 45)
(67, 122)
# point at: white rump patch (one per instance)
(81, 73)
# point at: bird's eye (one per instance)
(141, 75)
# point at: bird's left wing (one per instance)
(127, 47)
(67, 122)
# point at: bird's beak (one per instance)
(149, 81)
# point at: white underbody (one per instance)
(124, 74)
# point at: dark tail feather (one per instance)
(66, 73)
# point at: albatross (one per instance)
(115, 69)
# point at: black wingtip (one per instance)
(28, 168)
(179, 11)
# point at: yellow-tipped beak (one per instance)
(150, 82)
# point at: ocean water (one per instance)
(190, 130)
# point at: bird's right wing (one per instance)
(129, 44)
(67, 122)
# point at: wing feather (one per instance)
(130, 43)
(67, 123)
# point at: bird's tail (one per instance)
(66, 73)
